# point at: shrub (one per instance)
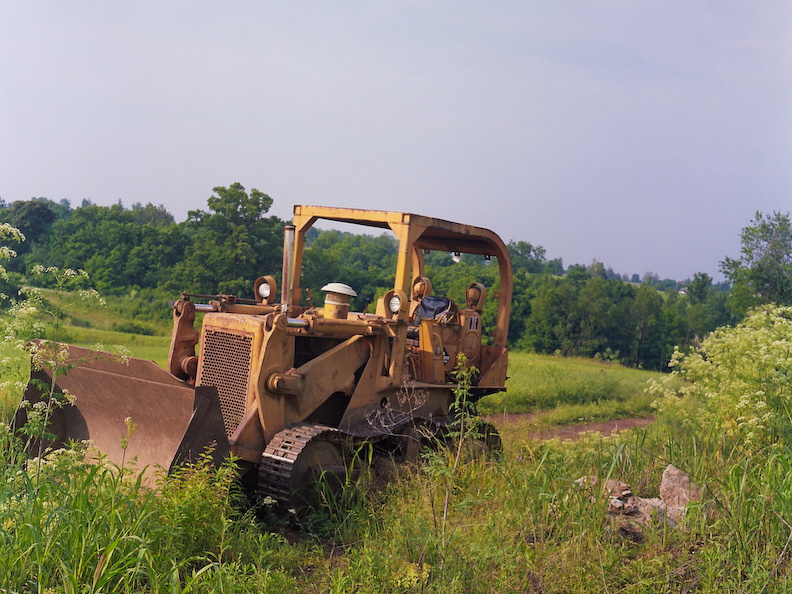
(739, 381)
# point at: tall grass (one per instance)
(522, 524)
(452, 525)
(70, 526)
(517, 524)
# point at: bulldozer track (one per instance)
(278, 462)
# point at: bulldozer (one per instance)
(289, 388)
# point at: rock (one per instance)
(630, 514)
(628, 530)
(613, 488)
(677, 491)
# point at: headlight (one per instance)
(264, 290)
(394, 305)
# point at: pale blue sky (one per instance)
(642, 134)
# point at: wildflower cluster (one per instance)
(741, 379)
(6, 253)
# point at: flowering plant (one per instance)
(739, 379)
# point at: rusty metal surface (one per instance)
(279, 473)
(173, 421)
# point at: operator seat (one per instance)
(421, 287)
(425, 306)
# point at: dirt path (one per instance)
(569, 432)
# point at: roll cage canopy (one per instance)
(415, 234)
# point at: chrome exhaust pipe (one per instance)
(288, 261)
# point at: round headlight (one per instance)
(394, 304)
(264, 291)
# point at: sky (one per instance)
(642, 134)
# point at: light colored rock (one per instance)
(676, 491)
(629, 514)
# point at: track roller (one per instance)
(298, 460)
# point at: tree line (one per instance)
(588, 311)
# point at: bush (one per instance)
(739, 382)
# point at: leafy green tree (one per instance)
(116, 250)
(707, 309)
(597, 268)
(527, 257)
(157, 216)
(606, 318)
(555, 266)
(524, 287)
(584, 315)
(553, 322)
(763, 272)
(577, 274)
(230, 245)
(699, 288)
(675, 328)
(648, 340)
(32, 217)
(364, 262)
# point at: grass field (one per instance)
(153, 348)
(570, 390)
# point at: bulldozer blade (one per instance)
(130, 410)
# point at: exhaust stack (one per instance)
(288, 263)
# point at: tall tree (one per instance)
(763, 272)
(231, 244)
(364, 262)
(33, 218)
(699, 288)
(527, 256)
(116, 250)
(648, 345)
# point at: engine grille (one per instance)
(226, 365)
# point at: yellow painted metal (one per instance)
(414, 234)
(329, 373)
(263, 367)
(431, 353)
(276, 355)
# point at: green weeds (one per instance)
(72, 526)
(457, 523)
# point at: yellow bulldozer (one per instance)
(291, 389)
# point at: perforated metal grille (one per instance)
(226, 365)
